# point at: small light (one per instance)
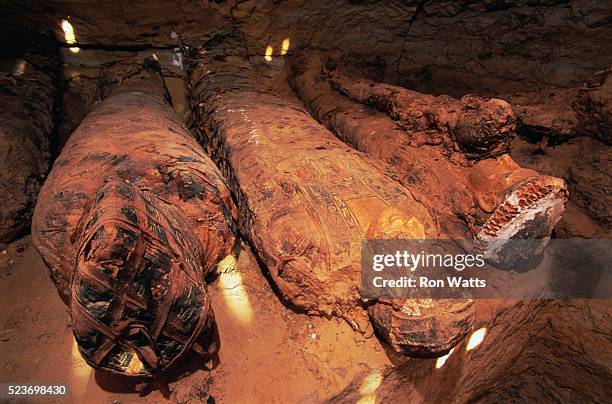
(79, 372)
(442, 360)
(69, 36)
(154, 56)
(68, 32)
(285, 46)
(476, 338)
(371, 383)
(268, 55)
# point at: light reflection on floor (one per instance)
(442, 360)
(368, 387)
(80, 372)
(476, 338)
(233, 290)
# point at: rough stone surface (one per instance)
(435, 46)
(80, 93)
(584, 163)
(560, 114)
(28, 82)
(545, 115)
(533, 351)
(594, 107)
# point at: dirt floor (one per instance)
(268, 352)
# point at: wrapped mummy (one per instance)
(307, 200)
(450, 154)
(132, 218)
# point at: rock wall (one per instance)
(533, 351)
(437, 46)
(28, 94)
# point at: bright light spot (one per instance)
(269, 51)
(227, 264)
(371, 399)
(80, 371)
(285, 46)
(371, 383)
(442, 360)
(177, 59)
(76, 356)
(234, 292)
(476, 338)
(68, 32)
(69, 36)
(154, 56)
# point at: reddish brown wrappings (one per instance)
(138, 289)
(490, 200)
(476, 126)
(131, 219)
(306, 200)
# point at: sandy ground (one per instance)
(268, 352)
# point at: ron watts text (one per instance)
(425, 282)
